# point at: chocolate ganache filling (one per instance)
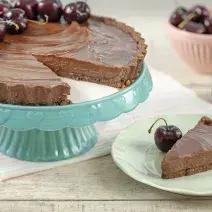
(96, 42)
(102, 51)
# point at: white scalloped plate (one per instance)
(134, 151)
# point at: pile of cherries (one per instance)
(196, 19)
(14, 17)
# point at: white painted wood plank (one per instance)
(97, 179)
(107, 206)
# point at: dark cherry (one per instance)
(2, 29)
(17, 26)
(29, 6)
(3, 8)
(190, 26)
(201, 11)
(194, 27)
(50, 8)
(178, 16)
(78, 11)
(15, 13)
(208, 25)
(166, 136)
(176, 19)
(84, 10)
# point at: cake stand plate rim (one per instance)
(52, 118)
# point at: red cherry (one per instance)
(78, 11)
(165, 136)
(50, 8)
(29, 6)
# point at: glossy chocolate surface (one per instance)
(101, 51)
(97, 42)
(21, 68)
(196, 140)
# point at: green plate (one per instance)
(134, 151)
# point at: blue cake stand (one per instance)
(53, 133)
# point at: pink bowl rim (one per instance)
(189, 34)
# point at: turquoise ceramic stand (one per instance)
(53, 133)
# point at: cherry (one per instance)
(176, 19)
(50, 8)
(165, 136)
(2, 30)
(17, 26)
(3, 8)
(15, 13)
(29, 6)
(195, 27)
(201, 11)
(208, 25)
(78, 11)
(178, 16)
(84, 9)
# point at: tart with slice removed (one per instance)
(102, 51)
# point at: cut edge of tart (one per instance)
(191, 154)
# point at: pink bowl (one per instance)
(194, 49)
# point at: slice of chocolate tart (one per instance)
(191, 154)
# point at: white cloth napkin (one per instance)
(167, 97)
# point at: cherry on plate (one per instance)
(50, 8)
(166, 135)
(29, 6)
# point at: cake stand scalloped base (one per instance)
(36, 145)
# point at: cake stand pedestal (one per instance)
(53, 133)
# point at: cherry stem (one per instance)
(37, 22)
(11, 22)
(150, 129)
(188, 18)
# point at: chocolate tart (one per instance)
(191, 154)
(102, 51)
